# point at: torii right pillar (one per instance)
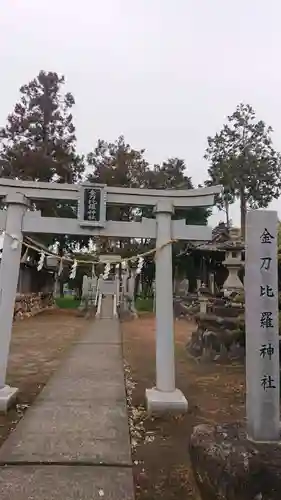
(164, 397)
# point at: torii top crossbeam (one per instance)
(180, 198)
(92, 200)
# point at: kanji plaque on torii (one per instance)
(92, 205)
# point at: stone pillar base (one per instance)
(7, 397)
(228, 465)
(160, 401)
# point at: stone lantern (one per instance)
(233, 261)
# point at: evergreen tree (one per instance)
(38, 141)
(243, 160)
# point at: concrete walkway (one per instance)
(73, 443)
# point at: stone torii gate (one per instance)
(17, 220)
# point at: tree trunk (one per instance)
(227, 214)
(243, 211)
(243, 203)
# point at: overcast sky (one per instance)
(163, 73)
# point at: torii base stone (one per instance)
(161, 401)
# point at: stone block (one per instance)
(227, 466)
(29, 304)
(8, 396)
(227, 312)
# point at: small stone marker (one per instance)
(262, 327)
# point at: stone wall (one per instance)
(30, 304)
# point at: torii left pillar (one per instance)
(9, 274)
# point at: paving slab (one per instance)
(110, 391)
(94, 357)
(65, 483)
(94, 371)
(99, 421)
(78, 449)
(107, 307)
(111, 334)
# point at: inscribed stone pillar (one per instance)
(164, 396)
(262, 327)
(139, 290)
(85, 287)
(125, 278)
(131, 292)
(93, 288)
(131, 286)
(9, 273)
(212, 283)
